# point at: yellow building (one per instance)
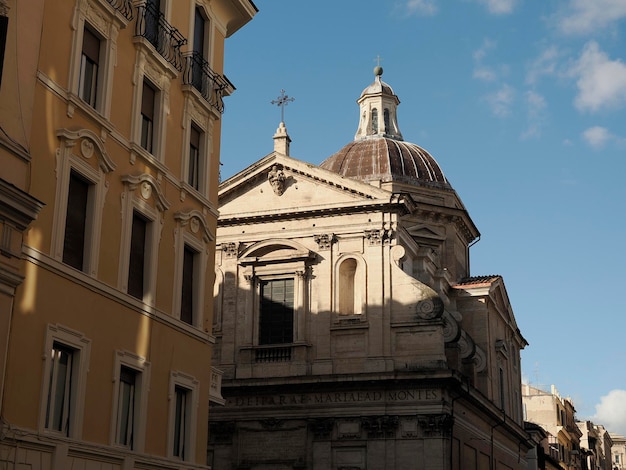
(110, 115)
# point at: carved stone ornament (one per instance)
(379, 236)
(321, 428)
(277, 178)
(271, 423)
(380, 426)
(230, 250)
(429, 309)
(324, 241)
(436, 425)
(451, 329)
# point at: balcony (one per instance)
(273, 354)
(125, 7)
(210, 84)
(167, 40)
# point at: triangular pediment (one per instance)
(298, 187)
(426, 231)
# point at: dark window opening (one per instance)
(76, 221)
(137, 260)
(187, 303)
(148, 98)
(89, 64)
(276, 311)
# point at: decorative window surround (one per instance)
(142, 368)
(194, 113)
(191, 385)
(290, 261)
(106, 21)
(192, 231)
(81, 347)
(142, 194)
(157, 74)
(94, 171)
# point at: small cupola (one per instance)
(378, 106)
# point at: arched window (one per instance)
(386, 116)
(347, 274)
(374, 121)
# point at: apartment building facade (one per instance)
(111, 116)
(557, 416)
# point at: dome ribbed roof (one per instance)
(378, 151)
(386, 159)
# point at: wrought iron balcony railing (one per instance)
(167, 40)
(210, 84)
(125, 7)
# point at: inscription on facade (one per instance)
(337, 398)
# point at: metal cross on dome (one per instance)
(282, 101)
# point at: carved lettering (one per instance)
(403, 395)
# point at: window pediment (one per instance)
(90, 144)
(275, 251)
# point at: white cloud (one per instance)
(420, 7)
(611, 412)
(535, 105)
(484, 72)
(588, 16)
(597, 137)
(501, 100)
(499, 7)
(545, 64)
(601, 82)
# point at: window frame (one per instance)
(292, 260)
(198, 184)
(103, 20)
(192, 232)
(86, 60)
(262, 330)
(149, 70)
(81, 349)
(141, 367)
(196, 115)
(80, 161)
(142, 195)
(191, 385)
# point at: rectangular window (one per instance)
(89, 63)
(181, 422)
(59, 405)
(137, 260)
(148, 98)
(199, 79)
(76, 221)
(193, 177)
(502, 390)
(276, 311)
(187, 303)
(127, 404)
(4, 26)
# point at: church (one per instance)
(349, 328)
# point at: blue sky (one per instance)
(523, 105)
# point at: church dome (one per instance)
(388, 160)
(378, 151)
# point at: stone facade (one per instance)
(348, 328)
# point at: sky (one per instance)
(523, 105)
